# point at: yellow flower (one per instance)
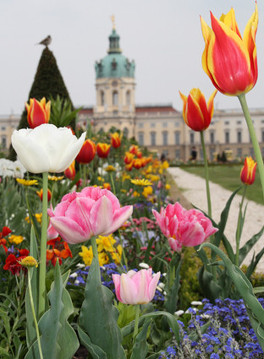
(28, 262)
(100, 179)
(13, 239)
(117, 255)
(136, 194)
(110, 168)
(105, 243)
(26, 182)
(87, 255)
(167, 186)
(102, 258)
(38, 217)
(147, 191)
(55, 178)
(141, 182)
(125, 177)
(165, 164)
(154, 178)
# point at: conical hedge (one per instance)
(48, 82)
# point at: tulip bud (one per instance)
(38, 112)
(115, 140)
(196, 113)
(247, 174)
(40, 194)
(103, 150)
(70, 172)
(87, 152)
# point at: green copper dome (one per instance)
(114, 64)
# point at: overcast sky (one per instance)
(162, 36)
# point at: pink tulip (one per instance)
(136, 287)
(81, 215)
(183, 228)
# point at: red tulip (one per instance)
(247, 174)
(38, 112)
(87, 152)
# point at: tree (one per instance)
(48, 82)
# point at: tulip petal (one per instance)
(128, 290)
(120, 217)
(70, 230)
(228, 60)
(101, 216)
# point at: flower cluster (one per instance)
(229, 334)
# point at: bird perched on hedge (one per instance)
(45, 41)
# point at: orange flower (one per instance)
(38, 112)
(87, 152)
(247, 174)
(115, 140)
(196, 113)
(107, 185)
(70, 171)
(60, 250)
(103, 150)
(228, 59)
(40, 194)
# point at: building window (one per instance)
(115, 98)
(238, 122)
(153, 124)
(177, 154)
(227, 137)
(140, 124)
(125, 132)
(239, 136)
(153, 138)
(165, 138)
(177, 124)
(165, 124)
(239, 152)
(102, 98)
(3, 141)
(177, 137)
(262, 135)
(251, 152)
(226, 122)
(3, 128)
(211, 153)
(192, 138)
(128, 98)
(141, 138)
(212, 137)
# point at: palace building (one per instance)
(158, 127)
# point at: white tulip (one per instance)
(46, 148)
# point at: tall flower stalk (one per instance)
(43, 247)
(209, 203)
(243, 102)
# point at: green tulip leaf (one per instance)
(244, 287)
(98, 316)
(95, 351)
(249, 245)
(140, 347)
(58, 339)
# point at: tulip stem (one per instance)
(243, 102)
(137, 308)
(239, 225)
(43, 247)
(206, 176)
(33, 312)
(94, 247)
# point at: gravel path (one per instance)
(193, 188)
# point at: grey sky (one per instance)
(162, 36)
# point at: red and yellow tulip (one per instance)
(70, 172)
(247, 174)
(87, 152)
(40, 194)
(196, 113)
(38, 112)
(229, 59)
(103, 150)
(115, 140)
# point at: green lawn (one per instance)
(229, 177)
